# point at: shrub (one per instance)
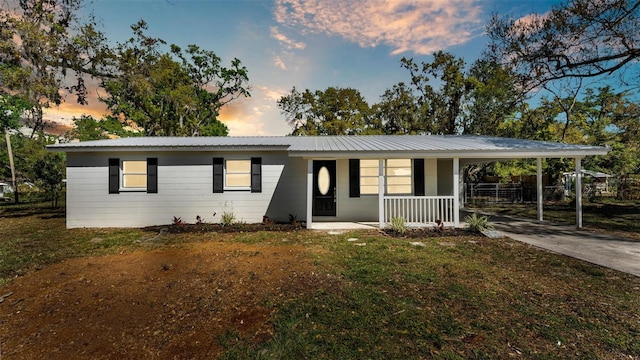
(227, 218)
(398, 225)
(478, 223)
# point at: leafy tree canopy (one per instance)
(335, 111)
(576, 39)
(176, 93)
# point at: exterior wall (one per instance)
(445, 177)
(363, 208)
(185, 190)
(431, 177)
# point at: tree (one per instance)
(179, 93)
(335, 111)
(441, 109)
(576, 39)
(398, 111)
(43, 45)
(87, 128)
(494, 100)
(50, 171)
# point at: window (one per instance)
(369, 176)
(237, 174)
(363, 177)
(133, 175)
(398, 176)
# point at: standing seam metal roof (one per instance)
(363, 143)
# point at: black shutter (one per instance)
(354, 178)
(256, 175)
(114, 176)
(218, 175)
(152, 175)
(418, 177)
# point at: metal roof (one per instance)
(364, 145)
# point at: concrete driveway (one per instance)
(604, 250)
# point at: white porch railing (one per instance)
(419, 209)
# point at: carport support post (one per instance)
(539, 189)
(456, 192)
(309, 193)
(578, 193)
(381, 214)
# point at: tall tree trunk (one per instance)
(14, 184)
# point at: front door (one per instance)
(324, 188)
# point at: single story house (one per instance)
(142, 181)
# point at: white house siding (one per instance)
(445, 177)
(185, 190)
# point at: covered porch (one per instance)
(366, 192)
(419, 207)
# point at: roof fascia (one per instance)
(104, 149)
(470, 154)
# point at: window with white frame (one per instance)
(369, 176)
(134, 174)
(398, 176)
(237, 174)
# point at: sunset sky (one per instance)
(309, 44)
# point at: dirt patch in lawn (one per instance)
(171, 302)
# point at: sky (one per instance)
(307, 44)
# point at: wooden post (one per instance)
(456, 192)
(309, 193)
(14, 183)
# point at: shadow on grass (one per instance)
(24, 210)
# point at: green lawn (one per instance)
(462, 297)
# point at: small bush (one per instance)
(227, 219)
(478, 223)
(399, 225)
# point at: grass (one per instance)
(622, 218)
(35, 237)
(460, 297)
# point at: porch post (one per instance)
(578, 193)
(309, 193)
(456, 192)
(381, 215)
(539, 189)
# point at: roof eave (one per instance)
(467, 154)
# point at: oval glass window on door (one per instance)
(324, 180)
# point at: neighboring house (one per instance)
(5, 189)
(135, 182)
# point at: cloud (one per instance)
(421, 27)
(286, 41)
(255, 116)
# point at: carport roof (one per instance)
(347, 146)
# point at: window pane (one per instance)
(399, 180)
(368, 189)
(369, 163)
(399, 189)
(137, 167)
(134, 181)
(369, 171)
(239, 166)
(372, 181)
(238, 180)
(405, 163)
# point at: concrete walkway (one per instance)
(604, 250)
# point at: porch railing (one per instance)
(419, 209)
